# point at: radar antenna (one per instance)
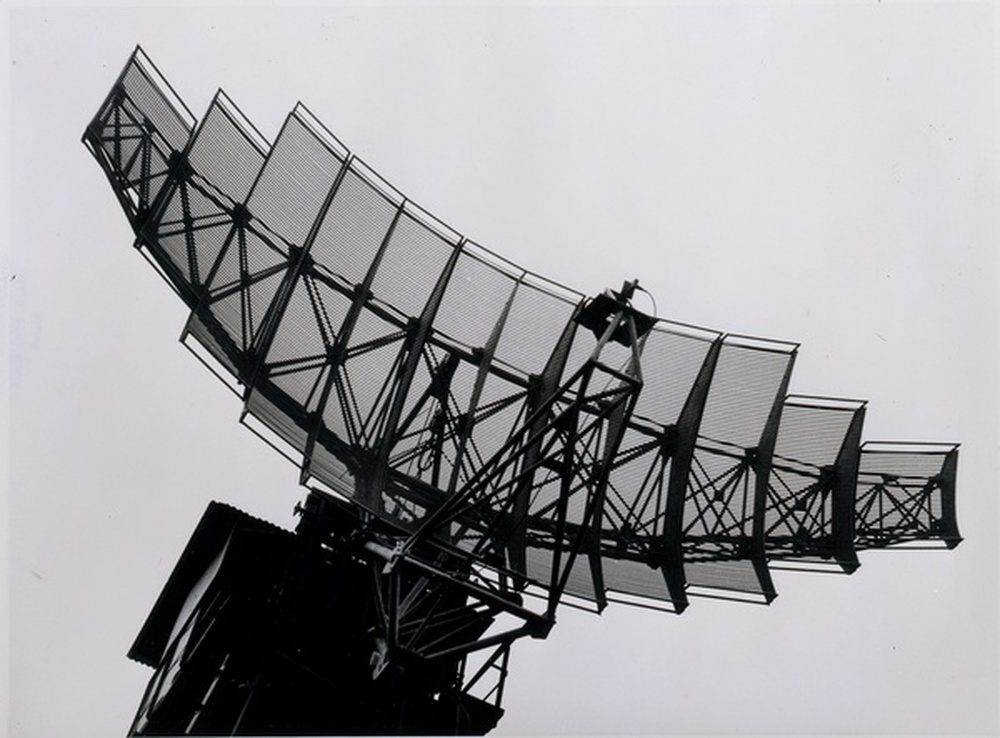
(480, 444)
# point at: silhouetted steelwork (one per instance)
(506, 444)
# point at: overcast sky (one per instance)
(815, 173)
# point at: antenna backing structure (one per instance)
(479, 444)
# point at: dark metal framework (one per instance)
(503, 434)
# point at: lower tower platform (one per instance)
(261, 631)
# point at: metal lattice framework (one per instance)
(507, 434)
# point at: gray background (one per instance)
(817, 173)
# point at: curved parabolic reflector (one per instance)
(568, 442)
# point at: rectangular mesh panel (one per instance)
(353, 229)
(295, 181)
(200, 332)
(301, 385)
(244, 285)
(135, 151)
(226, 151)
(374, 347)
(634, 578)
(670, 364)
(190, 232)
(536, 321)
(538, 567)
(331, 471)
(805, 491)
(474, 300)
(152, 96)
(413, 262)
(582, 348)
(745, 387)
(720, 494)
(138, 127)
(278, 421)
(812, 435)
(906, 494)
(636, 496)
(580, 581)
(737, 576)
(498, 414)
(718, 520)
(916, 464)
(310, 324)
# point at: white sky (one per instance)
(817, 173)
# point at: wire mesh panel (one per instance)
(537, 318)
(227, 151)
(906, 495)
(635, 527)
(723, 526)
(297, 178)
(256, 275)
(810, 492)
(476, 300)
(196, 215)
(134, 135)
(259, 253)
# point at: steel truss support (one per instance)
(559, 457)
(429, 619)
